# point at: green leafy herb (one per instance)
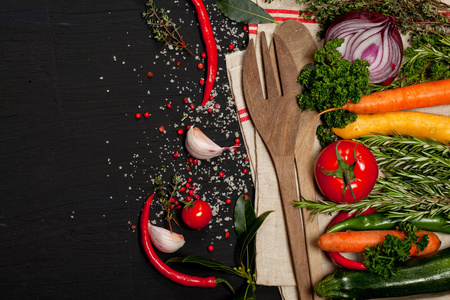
(416, 17)
(166, 195)
(246, 225)
(417, 181)
(163, 28)
(244, 11)
(330, 83)
(382, 259)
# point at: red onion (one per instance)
(370, 36)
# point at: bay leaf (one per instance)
(244, 11)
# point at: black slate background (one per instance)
(76, 164)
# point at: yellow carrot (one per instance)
(417, 124)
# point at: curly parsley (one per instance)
(330, 83)
(382, 259)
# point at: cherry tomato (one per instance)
(198, 215)
(346, 171)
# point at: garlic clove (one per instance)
(200, 146)
(164, 240)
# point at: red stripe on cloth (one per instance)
(301, 20)
(242, 111)
(246, 118)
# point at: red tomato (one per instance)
(198, 215)
(342, 179)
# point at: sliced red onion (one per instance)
(370, 36)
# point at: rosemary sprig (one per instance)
(415, 181)
(163, 28)
(166, 196)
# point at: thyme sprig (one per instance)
(166, 195)
(415, 182)
(417, 17)
(163, 28)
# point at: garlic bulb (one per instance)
(164, 240)
(200, 146)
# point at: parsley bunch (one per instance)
(330, 83)
(381, 259)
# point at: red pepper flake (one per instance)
(180, 131)
(203, 55)
(188, 198)
(210, 248)
(183, 44)
(195, 162)
(216, 105)
(185, 100)
(171, 207)
(221, 174)
(146, 114)
(202, 82)
(200, 66)
(190, 161)
(196, 196)
(244, 171)
(211, 98)
(138, 116)
(176, 154)
(149, 74)
(161, 129)
(237, 141)
(178, 63)
(228, 201)
(187, 185)
(192, 106)
(176, 202)
(182, 189)
(245, 197)
(172, 200)
(133, 227)
(188, 126)
(178, 206)
(247, 158)
(230, 46)
(169, 105)
(244, 28)
(191, 192)
(187, 168)
(227, 234)
(189, 179)
(194, 187)
(210, 110)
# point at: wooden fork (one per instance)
(277, 121)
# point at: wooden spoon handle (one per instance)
(285, 169)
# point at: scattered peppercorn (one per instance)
(192, 106)
(244, 171)
(138, 115)
(149, 74)
(200, 66)
(185, 100)
(146, 114)
(227, 234)
(210, 248)
(180, 131)
(203, 55)
(202, 82)
(210, 110)
(230, 46)
(244, 28)
(228, 201)
(176, 154)
(169, 105)
(221, 174)
(161, 129)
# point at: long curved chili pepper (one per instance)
(164, 269)
(336, 256)
(210, 46)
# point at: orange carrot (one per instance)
(427, 94)
(356, 241)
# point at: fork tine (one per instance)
(270, 76)
(286, 66)
(254, 97)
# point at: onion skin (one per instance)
(360, 26)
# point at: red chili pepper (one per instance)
(336, 256)
(210, 45)
(164, 269)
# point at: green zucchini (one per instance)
(420, 275)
